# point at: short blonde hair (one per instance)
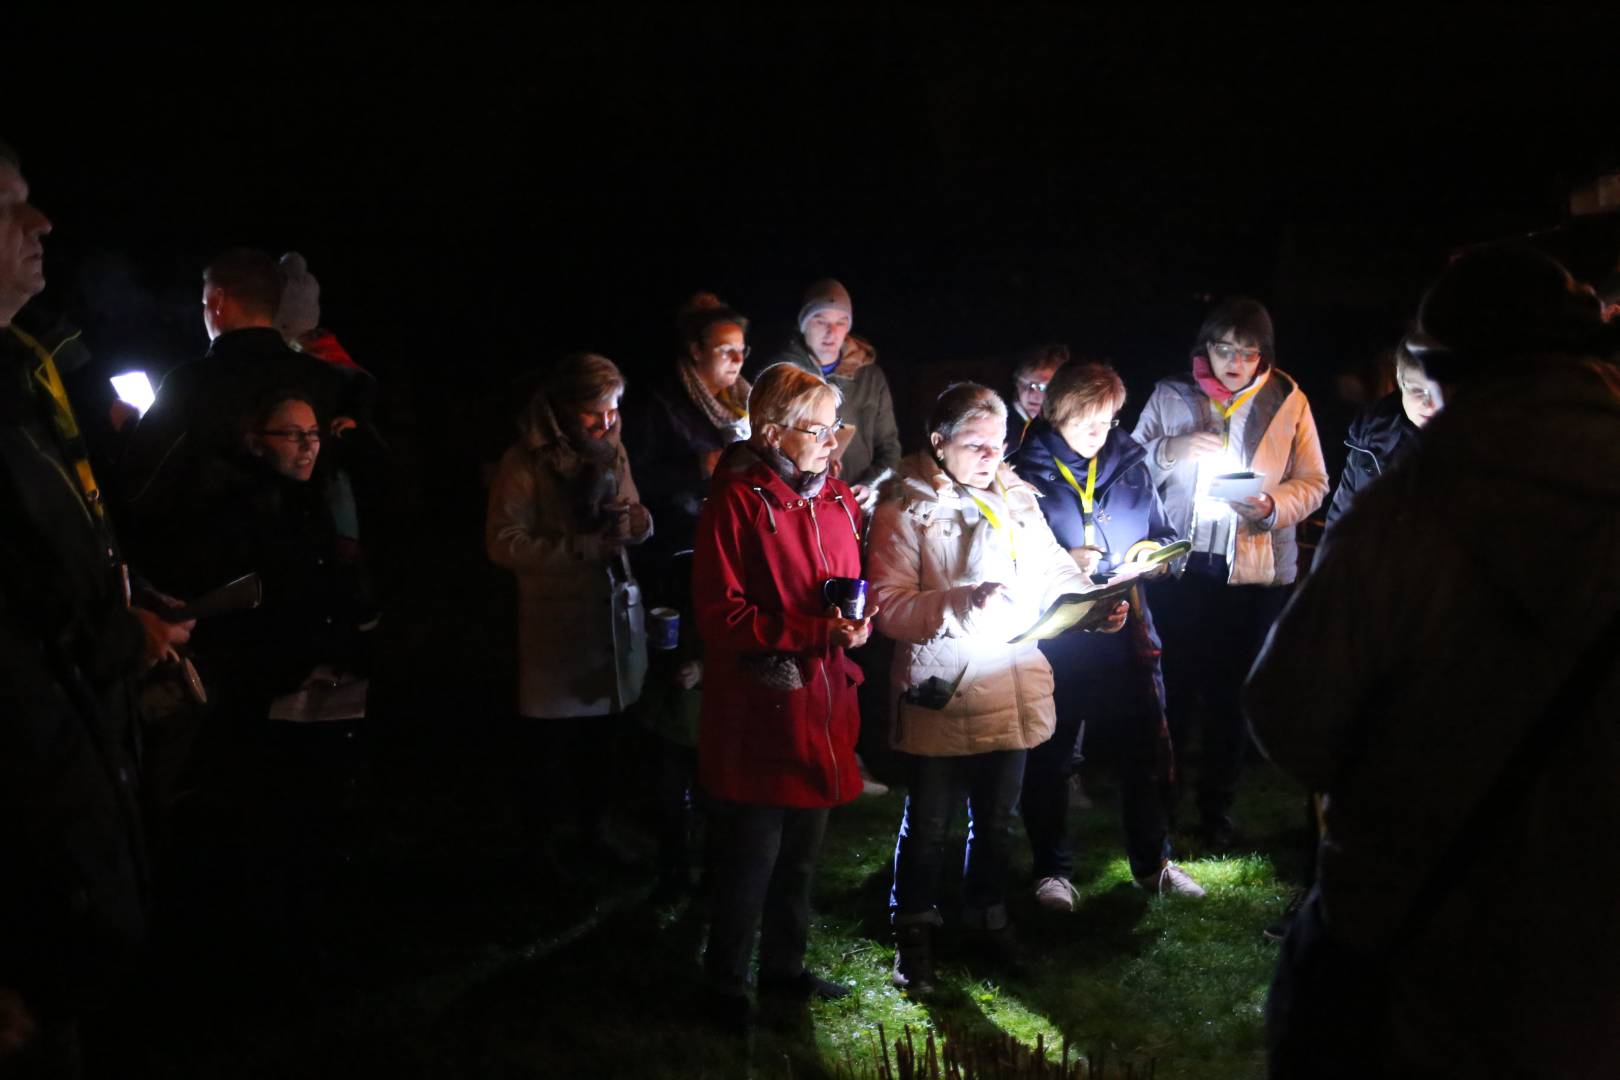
(785, 393)
(1078, 389)
(961, 402)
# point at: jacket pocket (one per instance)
(778, 726)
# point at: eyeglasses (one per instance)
(297, 435)
(740, 352)
(1102, 425)
(1420, 395)
(1222, 350)
(1039, 387)
(820, 433)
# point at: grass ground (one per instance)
(451, 961)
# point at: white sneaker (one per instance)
(1055, 894)
(870, 785)
(1172, 880)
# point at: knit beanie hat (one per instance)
(300, 310)
(1497, 303)
(824, 295)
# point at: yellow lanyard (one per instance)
(66, 424)
(1226, 414)
(995, 521)
(1087, 501)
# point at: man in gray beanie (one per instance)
(1447, 676)
(825, 346)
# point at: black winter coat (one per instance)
(668, 438)
(72, 861)
(251, 520)
(1379, 437)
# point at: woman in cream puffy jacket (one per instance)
(962, 561)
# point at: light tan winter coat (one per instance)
(574, 657)
(930, 546)
(1279, 440)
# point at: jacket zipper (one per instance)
(826, 683)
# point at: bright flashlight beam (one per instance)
(134, 388)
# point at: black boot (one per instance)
(914, 958)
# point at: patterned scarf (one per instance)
(729, 412)
(806, 484)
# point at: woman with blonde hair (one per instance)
(962, 562)
(776, 733)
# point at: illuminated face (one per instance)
(1235, 361)
(1421, 396)
(22, 251)
(719, 359)
(598, 419)
(809, 443)
(290, 440)
(825, 334)
(973, 453)
(1086, 432)
(1032, 389)
(213, 304)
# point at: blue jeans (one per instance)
(989, 783)
(761, 861)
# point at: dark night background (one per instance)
(479, 195)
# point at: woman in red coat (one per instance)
(776, 739)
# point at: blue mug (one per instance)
(664, 628)
(847, 594)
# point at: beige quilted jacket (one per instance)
(930, 545)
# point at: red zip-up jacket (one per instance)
(761, 554)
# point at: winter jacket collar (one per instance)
(1044, 447)
(857, 353)
(1383, 432)
(922, 479)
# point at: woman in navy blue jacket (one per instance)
(1100, 501)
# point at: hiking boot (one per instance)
(870, 785)
(914, 958)
(1171, 880)
(1056, 894)
(1279, 929)
(801, 987)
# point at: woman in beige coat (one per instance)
(962, 561)
(561, 511)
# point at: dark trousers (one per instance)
(1124, 728)
(1212, 632)
(989, 783)
(678, 801)
(562, 772)
(1327, 1014)
(762, 860)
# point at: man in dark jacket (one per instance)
(196, 420)
(825, 346)
(72, 862)
(1456, 705)
(1385, 432)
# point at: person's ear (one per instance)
(772, 435)
(695, 350)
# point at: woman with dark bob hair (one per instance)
(961, 563)
(776, 733)
(1233, 412)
